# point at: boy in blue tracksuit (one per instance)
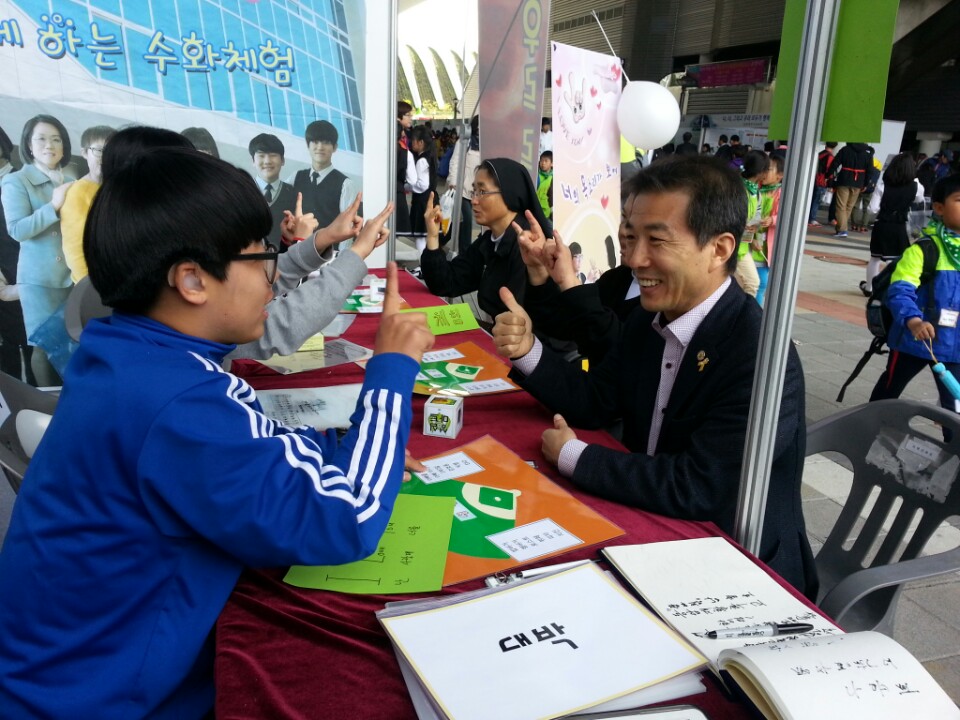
(159, 478)
(907, 298)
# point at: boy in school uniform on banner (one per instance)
(139, 523)
(326, 191)
(267, 152)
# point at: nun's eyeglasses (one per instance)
(483, 193)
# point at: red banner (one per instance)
(737, 72)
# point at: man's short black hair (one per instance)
(945, 187)
(687, 136)
(265, 143)
(723, 139)
(734, 138)
(26, 152)
(152, 213)
(717, 201)
(321, 131)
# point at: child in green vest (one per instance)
(762, 245)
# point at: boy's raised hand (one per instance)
(373, 234)
(405, 333)
(348, 223)
(296, 224)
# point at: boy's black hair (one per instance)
(546, 154)
(768, 146)
(97, 132)
(131, 141)
(321, 131)
(945, 187)
(687, 136)
(144, 219)
(723, 138)
(6, 146)
(403, 107)
(575, 249)
(734, 138)
(755, 162)
(202, 140)
(266, 143)
(831, 145)
(26, 152)
(778, 161)
(716, 200)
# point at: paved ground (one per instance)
(831, 335)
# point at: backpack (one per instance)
(879, 317)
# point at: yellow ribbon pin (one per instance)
(702, 360)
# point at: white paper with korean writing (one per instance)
(707, 584)
(544, 649)
(534, 540)
(320, 408)
(862, 675)
(449, 467)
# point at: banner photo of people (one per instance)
(272, 87)
(586, 156)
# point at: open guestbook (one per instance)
(706, 584)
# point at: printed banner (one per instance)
(231, 70)
(857, 87)
(512, 67)
(586, 156)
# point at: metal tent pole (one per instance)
(809, 100)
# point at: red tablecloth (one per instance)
(287, 652)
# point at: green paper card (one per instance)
(411, 557)
(444, 319)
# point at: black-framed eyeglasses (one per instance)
(269, 258)
(483, 193)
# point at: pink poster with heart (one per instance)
(586, 155)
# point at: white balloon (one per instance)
(648, 114)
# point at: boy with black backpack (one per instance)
(925, 313)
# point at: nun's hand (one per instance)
(431, 220)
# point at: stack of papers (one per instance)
(543, 648)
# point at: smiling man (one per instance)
(681, 373)
(326, 191)
(267, 153)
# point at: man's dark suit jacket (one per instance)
(695, 473)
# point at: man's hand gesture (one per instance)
(513, 331)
